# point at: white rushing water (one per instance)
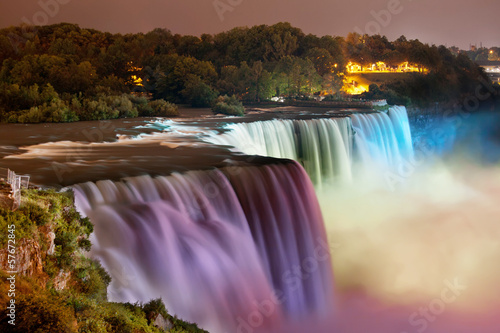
(329, 149)
(245, 248)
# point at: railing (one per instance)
(17, 182)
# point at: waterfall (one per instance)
(330, 149)
(322, 146)
(221, 247)
(382, 139)
(242, 248)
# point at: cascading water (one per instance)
(218, 246)
(241, 249)
(329, 148)
(322, 146)
(382, 139)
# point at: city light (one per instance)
(382, 67)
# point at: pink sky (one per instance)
(449, 22)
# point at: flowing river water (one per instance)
(287, 221)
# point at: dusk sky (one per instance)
(448, 22)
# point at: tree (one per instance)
(198, 93)
(301, 76)
(257, 81)
(322, 60)
(228, 83)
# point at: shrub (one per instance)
(123, 105)
(92, 279)
(23, 225)
(42, 313)
(83, 305)
(58, 111)
(228, 105)
(36, 214)
(162, 108)
(33, 115)
(155, 307)
(142, 105)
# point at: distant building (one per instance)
(492, 69)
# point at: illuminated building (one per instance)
(382, 67)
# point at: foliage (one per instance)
(83, 305)
(450, 80)
(198, 93)
(228, 105)
(62, 73)
(42, 312)
(162, 108)
(24, 226)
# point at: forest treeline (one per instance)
(66, 73)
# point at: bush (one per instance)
(36, 214)
(83, 305)
(33, 115)
(228, 105)
(23, 225)
(71, 230)
(123, 105)
(97, 110)
(162, 108)
(42, 313)
(92, 279)
(142, 105)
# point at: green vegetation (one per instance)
(481, 53)
(42, 304)
(162, 108)
(63, 73)
(49, 106)
(228, 105)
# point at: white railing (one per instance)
(17, 182)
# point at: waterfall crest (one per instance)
(330, 149)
